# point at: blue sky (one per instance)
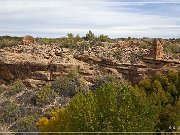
(116, 18)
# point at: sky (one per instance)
(115, 18)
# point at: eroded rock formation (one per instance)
(156, 50)
(28, 40)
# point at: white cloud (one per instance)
(60, 18)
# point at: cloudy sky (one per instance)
(116, 18)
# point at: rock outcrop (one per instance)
(28, 40)
(156, 51)
(39, 64)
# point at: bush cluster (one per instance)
(164, 89)
(69, 85)
(16, 87)
(172, 48)
(25, 124)
(113, 105)
(44, 96)
(6, 41)
(9, 112)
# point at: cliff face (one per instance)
(38, 64)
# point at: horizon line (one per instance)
(95, 35)
(91, 2)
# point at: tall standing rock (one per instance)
(156, 50)
(28, 40)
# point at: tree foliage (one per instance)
(165, 91)
(114, 106)
(103, 38)
(89, 36)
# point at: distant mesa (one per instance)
(28, 40)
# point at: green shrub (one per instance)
(6, 41)
(9, 112)
(70, 41)
(144, 46)
(133, 58)
(172, 48)
(45, 96)
(118, 54)
(68, 85)
(17, 87)
(25, 124)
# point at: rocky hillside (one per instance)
(40, 64)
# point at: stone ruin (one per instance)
(28, 40)
(156, 50)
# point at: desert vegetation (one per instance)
(111, 104)
(171, 46)
(89, 84)
(9, 41)
(114, 105)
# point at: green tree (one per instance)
(90, 36)
(78, 38)
(103, 38)
(164, 91)
(70, 36)
(114, 106)
(69, 41)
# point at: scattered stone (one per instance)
(64, 58)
